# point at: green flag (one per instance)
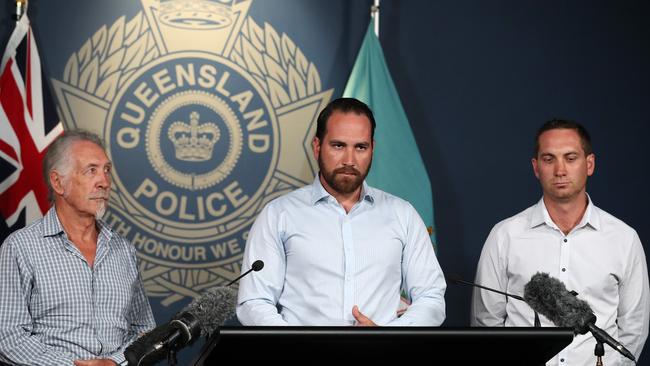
(397, 166)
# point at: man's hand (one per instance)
(362, 320)
(95, 362)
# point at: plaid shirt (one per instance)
(55, 308)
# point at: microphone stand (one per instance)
(171, 358)
(599, 351)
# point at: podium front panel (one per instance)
(501, 346)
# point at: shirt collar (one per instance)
(591, 216)
(540, 216)
(52, 225)
(318, 192)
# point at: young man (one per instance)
(567, 236)
(338, 252)
(71, 292)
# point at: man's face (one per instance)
(345, 154)
(85, 188)
(561, 165)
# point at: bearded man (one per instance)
(338, 252)
(71, 291)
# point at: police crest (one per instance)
(207, 116)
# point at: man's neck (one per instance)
(80, 228)
(346, 200)
(567, 214)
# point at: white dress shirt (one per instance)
(321, 261)
(602, 259)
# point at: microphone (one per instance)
(549, 297)
(143, 347)
(257, 266)
(455, 278)
(200, 318)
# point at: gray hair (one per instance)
(58, 156)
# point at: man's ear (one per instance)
(591, 164)
(56, 181)
(534, 162)
(315, 146)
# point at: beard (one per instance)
(101, 210)
(339, 181)
(102, 202)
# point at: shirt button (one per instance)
(565, 240)
(563, 269)
(561, 360)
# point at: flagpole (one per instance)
(21, 8)
(374, 12)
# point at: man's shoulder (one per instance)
(31, 234)
(610, 222)
(297, 197)
(388, 199)
(515, 223)
(117, 240)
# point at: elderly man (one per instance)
(71, 292)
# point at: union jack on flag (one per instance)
(28, 124)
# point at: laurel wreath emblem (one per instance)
(108, 59)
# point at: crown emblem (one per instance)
(196, 14)
(193, 142)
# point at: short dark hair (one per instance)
(344, 105)
(58, 157)
(555, 124)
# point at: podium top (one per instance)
(503, 346)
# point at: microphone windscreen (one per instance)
(143, 346)
(213, 308)
(549, 297)
(257, 265)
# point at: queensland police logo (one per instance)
(207, 116)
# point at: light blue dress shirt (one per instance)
(55, 308)
(321, 261)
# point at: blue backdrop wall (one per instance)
(476, 79)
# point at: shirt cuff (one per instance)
(118, 358)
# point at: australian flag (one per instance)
(28, 124)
